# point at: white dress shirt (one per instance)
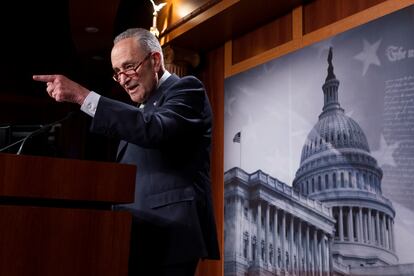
(91, 101)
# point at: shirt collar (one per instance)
(163, 78)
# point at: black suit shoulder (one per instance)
(179, 107)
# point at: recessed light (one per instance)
(91, 30)
(97, 58)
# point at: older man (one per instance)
(167, 136)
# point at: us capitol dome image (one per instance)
(333, 220)
(337, 169)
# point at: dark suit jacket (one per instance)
(169, 142)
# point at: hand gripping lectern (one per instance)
(56, 217)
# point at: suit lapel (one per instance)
(121, 150)
(153, 99)
(151, 103)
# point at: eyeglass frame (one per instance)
(133, 70)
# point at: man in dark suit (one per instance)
(167, 136)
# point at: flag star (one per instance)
(229, 102)
(349, 113)
(246, 92)
(384, 154)
(369, 55)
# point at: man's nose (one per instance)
(123, 78)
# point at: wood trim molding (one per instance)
(299, 40)
(193, 22)
(297, 23)
(228, 58)
(356, 20)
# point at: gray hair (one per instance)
(147, 41)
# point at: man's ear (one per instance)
(156, 61)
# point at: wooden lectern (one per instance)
(56, 217)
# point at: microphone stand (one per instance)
(12, 145)
(43, 129)
(36, 132)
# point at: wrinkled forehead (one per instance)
(126, 50)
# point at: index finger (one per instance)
(44, 78)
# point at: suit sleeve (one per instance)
(183, 114)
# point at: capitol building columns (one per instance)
(315, 252)
(258, 233)
(307, 250)
(364, 226)
(275, 235)
(350, 225)
(266, 240)
(238, 213)
(330, 245)
(360, 225)
(283, 239)
(377, 229)
(370, 229)
(341, 224)
(284, 243)
(384, 231)
(270, 237)
(392, 237)
(300, 248)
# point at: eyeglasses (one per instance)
(130, 70)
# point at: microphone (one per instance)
(41, 130)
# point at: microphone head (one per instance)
(71, 114)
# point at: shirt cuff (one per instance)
(90, 103)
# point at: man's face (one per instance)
(139, 81)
